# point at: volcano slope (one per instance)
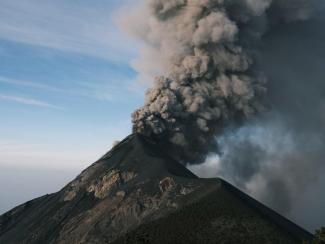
(136, 193)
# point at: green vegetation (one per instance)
(320, 236)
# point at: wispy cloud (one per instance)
(27, 83)
(28, 101)
(109, 90)
(82, 27)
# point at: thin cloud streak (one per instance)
(31, 84)
(65, 26)
(28, 101)
(102, 91)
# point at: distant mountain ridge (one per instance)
(136, 193)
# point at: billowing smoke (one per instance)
(242, 90)
(279, 157)
(206, 52)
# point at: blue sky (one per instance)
(65, 78)
(66, 89)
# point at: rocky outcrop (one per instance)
(113, 179)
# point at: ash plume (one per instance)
(278, 157)
(205, 50)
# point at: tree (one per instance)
(320, 236)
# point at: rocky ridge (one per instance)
(136, 192)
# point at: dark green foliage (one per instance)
(320, 236)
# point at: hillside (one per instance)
(136, 193)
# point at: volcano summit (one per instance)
(137, 193)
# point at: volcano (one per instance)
(137, 193)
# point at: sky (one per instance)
(67, 90)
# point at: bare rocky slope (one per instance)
(136, 193)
